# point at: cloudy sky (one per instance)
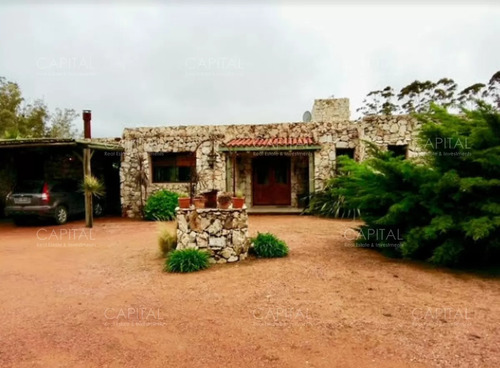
(224, 63)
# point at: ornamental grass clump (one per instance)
(330, 202)
(267, 245)
(167, 240)
(93, 186)
(187, 260)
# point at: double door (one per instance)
(271, 181)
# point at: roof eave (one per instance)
(270, 148)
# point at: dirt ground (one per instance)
(74, 298)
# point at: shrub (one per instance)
(268, 245)
(329, 202)
(167, 240)
(186, 260)
(444, 207)
(161, 206)
(387, 190)
(464, 202)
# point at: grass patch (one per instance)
(267, 245)
(186, 260)
(167, 240)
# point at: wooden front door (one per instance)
(271, 181)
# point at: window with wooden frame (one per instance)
(167, 167)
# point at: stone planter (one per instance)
(223, 233)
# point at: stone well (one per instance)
(222, 233)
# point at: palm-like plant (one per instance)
(93, 186)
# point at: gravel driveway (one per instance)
(74, 298)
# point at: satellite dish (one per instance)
(306, 117)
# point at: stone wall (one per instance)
(139, 143)
(221, 233)
(391, 130)
(330, 109)
(135, 173)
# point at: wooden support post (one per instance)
(89, 218)
(229, 173)
(312, 171)
(234, 174)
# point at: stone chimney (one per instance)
(87, 117)
(330, 109)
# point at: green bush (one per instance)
(329, 202)
(387, 192)
(268, 245)
(444, 207)
(167, 240)
(161, 206)
(186, 260)
(463, 203)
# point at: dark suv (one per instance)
(56, 199)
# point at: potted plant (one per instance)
(224, 200)
(210, 198)
(239, 199)
(184, 200)
(199, 202)
(196, 185)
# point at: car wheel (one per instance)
(98, 209)
(61, 215)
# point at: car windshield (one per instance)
(29, 186)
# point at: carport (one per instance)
(61, 158)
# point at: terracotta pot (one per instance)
(224, 204)
(238, 202)
(199, 202)
(184, 202)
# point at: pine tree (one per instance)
(444, 209)
(465, 202)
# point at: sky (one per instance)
(194, 63)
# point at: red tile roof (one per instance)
(270, 142)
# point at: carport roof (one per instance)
(57, 142)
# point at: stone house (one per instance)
(274, 165)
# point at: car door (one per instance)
(59, 195)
